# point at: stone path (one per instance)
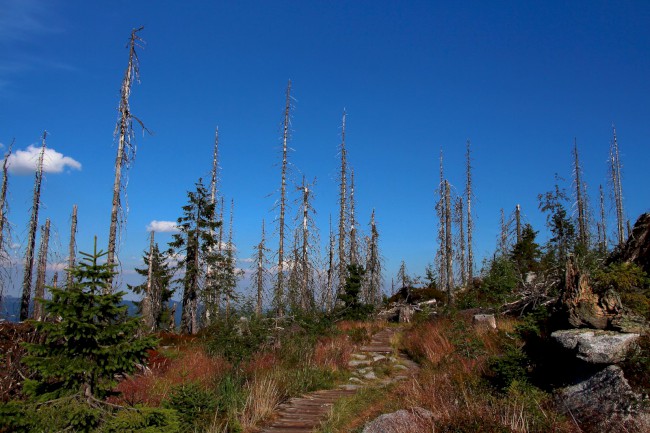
(304, 414)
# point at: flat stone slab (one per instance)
(596, 346)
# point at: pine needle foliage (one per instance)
(90, 340)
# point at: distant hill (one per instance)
(10, 309)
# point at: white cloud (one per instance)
(162, 226)
(247, 260)
(25, 161)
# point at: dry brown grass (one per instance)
(190, 364)
(451, 385)
(263, 398)
(428, 342)
(333, 352)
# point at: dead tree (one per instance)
(125, 145)
(3, 216)
(148, 315)
(461, 240)
(343, 259)
(39, 290)
(309, 240)
(440, 259)
(373, 265)
(278, 298)
(211, 303)
(503, 237)
(354, 248)
(602, 225)
(449, 268)
(518, 222)
(470, 224)
(259, 274)
(583, 228)
(329, 285)
(231, 274)
(72, 246)
(617, 187)
(3, 199)
(31, 238)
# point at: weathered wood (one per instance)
(31, 237)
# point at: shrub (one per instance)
(511, 366)
(143, 420)
(630, 281)
(498, 282)
(195, 406)
(64, 414)
(237, 340)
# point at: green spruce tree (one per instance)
(91, 341)
(194, 247)
(161, 289)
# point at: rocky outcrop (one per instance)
(596, 346)
(605, 402)
(637, 247)
(402, 421)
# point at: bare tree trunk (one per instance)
(354, 250)
(440, 209)
(148, 301)
(31, 238)
(72, 246)
(583, 235)
(602, 227)
(615, 169)
(231, 262)
(215, 168)
(503, 238)
(39, 292)
(125, 147)
(461, 241)
(304, 254)
(329, 291)
(518, 222)
(470, 225)
(343, 260)
(3, 198)
(449, 271)
(259, 273)
(211, 296)
(279, 288)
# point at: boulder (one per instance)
(596, 346)
(605, 402)
(402, 421)
(637, 247)
(484, 321)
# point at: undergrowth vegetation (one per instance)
(472, 380)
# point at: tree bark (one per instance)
(148, 300)
(343, 260)
(125, 148)
(279, 289)
(39, 292)
(31, 238)
(72, 246)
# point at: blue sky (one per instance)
(519, 79)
